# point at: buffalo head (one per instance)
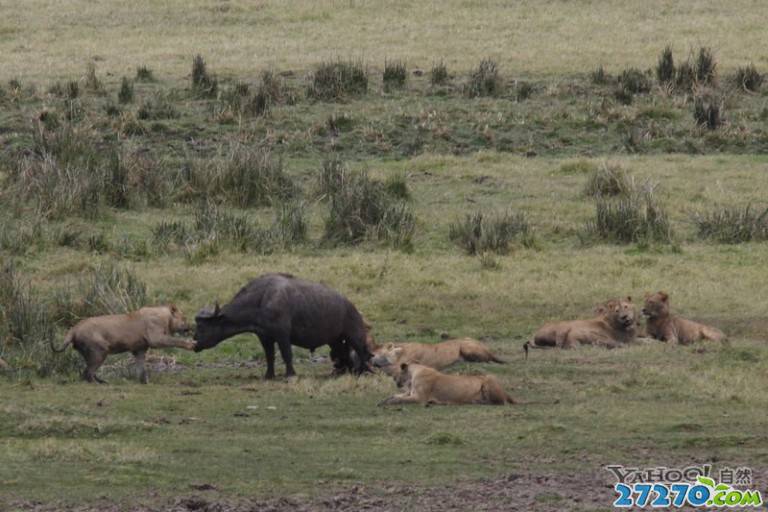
(209, 328)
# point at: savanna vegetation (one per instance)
(476, 186)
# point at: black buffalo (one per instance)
(283, 309)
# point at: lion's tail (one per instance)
(68, 339)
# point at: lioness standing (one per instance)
(614, 324)
(664, 326)
(136, 332)
(425, 385)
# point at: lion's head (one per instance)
(656, 305)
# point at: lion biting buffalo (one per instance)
(150, 327)
(284, 310)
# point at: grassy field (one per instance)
(150, 183)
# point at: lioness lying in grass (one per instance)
(614, 324)
(435, 355)
(151, 327)
(424, 385)
(663, 325)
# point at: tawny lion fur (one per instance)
(424, 385)
(614, 324)
(663, 325)
(441, 355)
(151, 327)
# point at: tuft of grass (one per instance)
(635, 217)
(485, 80)
(395, 74)
(685, 78)
(92, 81)
(144, 74)
(665, 67)
(608, 180)
(73, 89)
(157, 107)
(248, 177)
(480, 233)
(204, 84)
(523, 91)
(708, 111)
(705, 67)
(338, 79)
(361, 208)
(732, 225)
(125, 94)
(748, 78)
(439, 73)
(635, 81)
(599, 76)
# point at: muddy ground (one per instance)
(547, 492)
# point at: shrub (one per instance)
(203, 83)
(144, 74)
(523, 91)
(732, 225)
(336, 80)
(609, 180)
(748, 78)
(665, 68)
(361, 208)
(73, 90)
(485, 80)
(480, 233)
(707, 111)
(395, 74)
(636, 217)
(125, 94)
(634, 81)
(331, 176)
(705, 67)
(439, 73)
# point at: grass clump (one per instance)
(665, 67)
(336, 80)
(685, 77)
(485, 80)
(732, 225)
(395, 74)
(362, 208)
(705, 67)
(708, 111)
(634, 217)
(609, 180)
(204, 84)
(439, 73)
(125, 94)
(748, 78)
(157, 107)
(92, 81)
(481, 233)
(248, 177)
(599, 76)
(634, 81)
(144, 74)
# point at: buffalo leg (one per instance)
(340, 357)
(141, 367)
(363, 354)
(269, 353)
(284, 344)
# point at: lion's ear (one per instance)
(629, 299)
(390, 346)
(404, 366)
(173, 308)
(397, 350)
(664, 296)
(647, 294)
